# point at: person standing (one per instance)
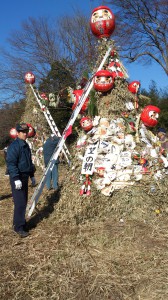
(20, 168)
(163, 138)
(48, 149)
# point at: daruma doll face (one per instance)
(103, 81)
(134, 86)
(29, 78)
(102, 22)
(86, 123)
(150, 115)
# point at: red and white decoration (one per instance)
(86, 123)
(44, 96)
(29, 78)
(31, 132)
(76, 95)
(134, 87)
(102, 22)
(150, 115)
(103, 81)
(13, 133)
(115, 68)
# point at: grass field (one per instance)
(86, 248)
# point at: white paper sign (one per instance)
(89, 159)
(125, 159)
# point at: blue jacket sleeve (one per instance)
(12, 161)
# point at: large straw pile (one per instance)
(87, 247)
(82, 247)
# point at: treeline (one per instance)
(12, 113)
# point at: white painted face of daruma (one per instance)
(103, 79)
(29, 76)
(101, 14)
(86, 123)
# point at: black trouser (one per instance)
(20, 198)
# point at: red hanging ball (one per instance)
(103, 81)
(102, 22)
(13, 133)
(149, 115)
(77, 95)
(29, 78)
(134, 87)
(86, 123)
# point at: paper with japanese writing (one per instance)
(89, 159)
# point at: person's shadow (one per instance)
(45, 212)
(4, 197)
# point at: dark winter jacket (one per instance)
(19, 161)
(48, 149)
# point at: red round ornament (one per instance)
(150, 115)
(31, 132)
(29, 78)
(134, 87)
(77, 95)
(102, 22)
(13, 133)
(103, 81)
(86, 123)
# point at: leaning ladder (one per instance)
(68, 130)
(51, 123)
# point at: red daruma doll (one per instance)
(102, 22)
(103, 81)
(86, 123)
(77, 95)
(150, 115)
(29, 78)
(13, 133)
(134, 87)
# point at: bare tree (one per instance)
(32, 48)
(77, 41)
(142, 29)
(41, 42)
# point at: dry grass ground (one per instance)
(86, 248)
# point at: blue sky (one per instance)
(13, 12)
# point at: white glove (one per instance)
(33, 180)
(18, 184)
